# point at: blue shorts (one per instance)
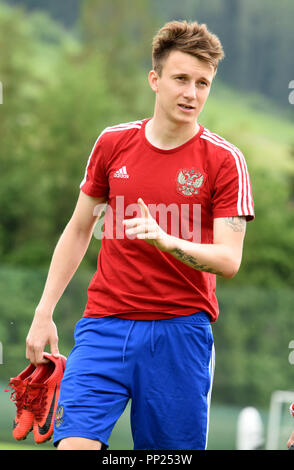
(164, 366)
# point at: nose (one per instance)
(190, 91)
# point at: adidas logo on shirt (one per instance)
(121, 173)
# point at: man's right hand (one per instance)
(43, 331)
(68, 253)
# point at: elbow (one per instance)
(231, 268)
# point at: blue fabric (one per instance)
(164, 366)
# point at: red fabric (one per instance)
(207, 175)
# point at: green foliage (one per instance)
(252, 337)
(20, 291)
(62, 11)
(256, 35)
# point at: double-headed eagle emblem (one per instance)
(189, 181)
(59, 416)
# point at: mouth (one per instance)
(186, 107)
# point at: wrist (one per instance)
(171, 243)
(43, 312)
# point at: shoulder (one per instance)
(221, 148)
(120, 132)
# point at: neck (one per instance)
(169, 135)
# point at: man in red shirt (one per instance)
(178, 198)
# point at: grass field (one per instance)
(121, 438)
(17, 446)
(222, 434)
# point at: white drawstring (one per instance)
(152, 337)
(126, 340)
(128, 335)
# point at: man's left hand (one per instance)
(146, 228)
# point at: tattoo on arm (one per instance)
(192, 262)
(237, 224)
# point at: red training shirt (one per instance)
(185, 188)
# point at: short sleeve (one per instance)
(95, 182)
(232, 194)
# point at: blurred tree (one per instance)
(122, 31)
(257, 39)
(257, 36)
(252, 336)
(17, 112)
(65, 12)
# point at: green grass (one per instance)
(17, 446)
(121, 438)
(222, 434)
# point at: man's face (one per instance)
(182, 89)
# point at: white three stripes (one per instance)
(120, 127)
(245, 202)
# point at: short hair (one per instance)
(190, 37)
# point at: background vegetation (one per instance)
(67, 73)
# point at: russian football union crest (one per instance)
(189, 182)
(59, 416)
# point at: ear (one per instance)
(153, 80)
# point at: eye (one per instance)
(181, 79)
(203, 83)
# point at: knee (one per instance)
(78, 443)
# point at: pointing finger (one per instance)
(144, 209)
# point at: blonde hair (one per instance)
(192, 38)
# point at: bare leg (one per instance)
(78, 443)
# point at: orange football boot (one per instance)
(44, 391)
(24, 419)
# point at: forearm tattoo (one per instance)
(237, 224)
(192, 262)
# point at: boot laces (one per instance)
(18, 390)
(36, 399)
(30, 397)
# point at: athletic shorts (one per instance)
(164, 366)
